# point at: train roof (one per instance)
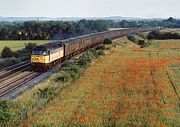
(50, 45)
(58, 44)
(70, 40)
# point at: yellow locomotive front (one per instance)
(47, 56)
(39, 59)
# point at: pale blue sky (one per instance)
(91, 8)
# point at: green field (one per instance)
(165, 44)
(177, 30)
(16, 45)
(111, 29)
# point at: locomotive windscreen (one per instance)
(38, 52)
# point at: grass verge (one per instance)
(20, 44)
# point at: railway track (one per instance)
(13, 77)
(15, 68)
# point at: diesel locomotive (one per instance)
(48, 55)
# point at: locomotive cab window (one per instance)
(35, 52)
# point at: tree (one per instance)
(107, 41)
(141, 43)
(6, 53)
(171, 19)
(28, 49)
(154, 35)
(30, 46)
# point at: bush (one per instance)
(107, 41)
(25, 53)
(141, 43)
(71, 70)
(63, 77)
(8, 62)
(30, 46)
(67, 63)
(21, 54)
(132, 38)
(43, 93)
(74, 71)
(100, 52)
(163, 35)
(142, 35)
(154, 35)
(5, 114)
(88, 57)
(94, 52)
(139, 40)
(91, 54)
(6, 53)
(83, 62)
(101, 47)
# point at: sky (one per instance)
(90, 8)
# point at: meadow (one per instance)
(130, 86)
(165, 44)
(20, 44)
(171, 30)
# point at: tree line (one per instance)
(22, 54)
(55, 30)
(168, 23)
(163, 35)
(49, 30)
(9, 57)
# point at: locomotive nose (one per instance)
(35, 59)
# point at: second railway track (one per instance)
(12, 69)
(12, 85)
(15, 76)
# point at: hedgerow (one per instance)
(8, 62)
(8, 57)
(140, 40)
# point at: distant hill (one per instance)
(114, 18)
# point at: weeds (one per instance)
(5, 111)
